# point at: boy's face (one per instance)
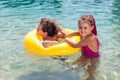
(40, 32)
(85, 29)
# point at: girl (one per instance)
(89, 43)
(50, 31)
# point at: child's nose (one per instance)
(82, 30)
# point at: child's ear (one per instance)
(92, 27)
(45, 34)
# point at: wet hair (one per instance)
(90, 20)
(49, 26)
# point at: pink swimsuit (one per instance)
(87, 52)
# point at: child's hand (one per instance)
(61, 34)
(66, 39)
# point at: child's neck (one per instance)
(87, 36)
(54, 38)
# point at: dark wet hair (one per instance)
(49, 26)
(90, 20)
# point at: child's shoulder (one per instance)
(92, 37)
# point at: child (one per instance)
(50, 31)
(89, 44)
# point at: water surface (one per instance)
(18, 17)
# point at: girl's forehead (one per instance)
(84, 24)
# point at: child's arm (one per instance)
(75, 33)
(83, 42)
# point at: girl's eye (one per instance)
(80, 27)
(85, 28)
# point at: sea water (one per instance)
(18, 17)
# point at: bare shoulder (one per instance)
(91, 38)
(94, 45)
(48, 43)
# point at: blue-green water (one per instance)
(18, 17)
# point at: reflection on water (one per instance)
(117, 33)
(50, 75)
(16, 3)
(116, 12)
(18, 17)
(116, 21)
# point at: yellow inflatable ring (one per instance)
(31, 42)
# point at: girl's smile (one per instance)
(85, 29)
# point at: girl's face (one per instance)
(40, 32)
(85, 29)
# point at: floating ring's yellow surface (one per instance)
(31, 42)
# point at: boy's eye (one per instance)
(37, 29)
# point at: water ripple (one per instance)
(18, 17)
